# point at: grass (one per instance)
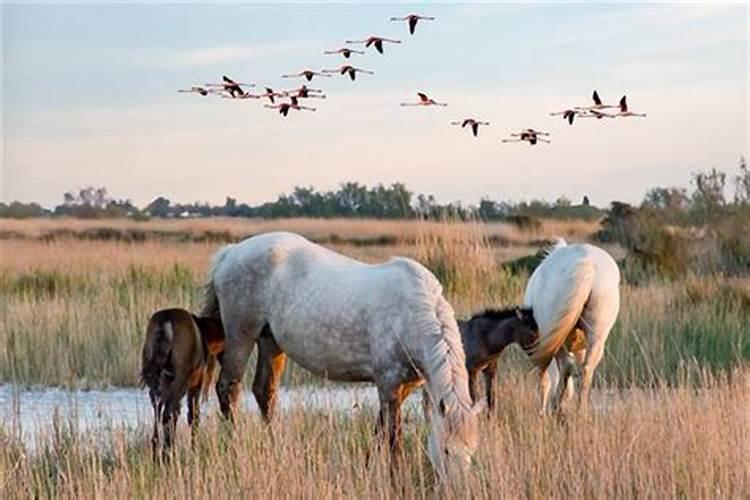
(670, 403)
(657, 443)
(328, 230)
(84, 304)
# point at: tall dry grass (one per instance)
(660, 443)
(84, 305)
(671, 409)
(328, 230)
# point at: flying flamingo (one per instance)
(597, 104)
(344, 51)
(570, 114)
(470, 122)
(593, 113)
(412, 19)
(200, 90)
(270, 94)
(377, 41)
(528, 135)
(348, 70)
(246, 95)
(284, 107)
(624, 109)
(307, 73)
(424, 101)
(306, 93)
(234, 88)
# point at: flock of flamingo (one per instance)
(231, 89)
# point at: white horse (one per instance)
(347, 321)
(575, 295)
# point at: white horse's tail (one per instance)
(559, 306)
(211, 307)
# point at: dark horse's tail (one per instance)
(156, 352)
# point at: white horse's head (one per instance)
(453, 438)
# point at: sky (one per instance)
(89, 98)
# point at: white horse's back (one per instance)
(306, 292)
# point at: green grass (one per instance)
(83, 329)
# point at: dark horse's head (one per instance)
(505, 326)
(527, 331)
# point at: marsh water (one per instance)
(33, 412)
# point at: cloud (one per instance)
(225, 54)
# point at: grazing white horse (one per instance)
(347, 321)
(575, 296)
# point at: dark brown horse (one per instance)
(486, 335)
(179, 357)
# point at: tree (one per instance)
(160, 207)
(19, 210)
(89, 202)
(426, 206)
(742, 184)
(672, 198)
(709, 190)
(562, 201)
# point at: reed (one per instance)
(654, 443)
(84, 304)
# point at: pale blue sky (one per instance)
(89, 98)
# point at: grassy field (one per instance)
(659, 443)
(85, 302)
(672, 390)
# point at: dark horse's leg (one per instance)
(194, 409)
(489, 373)
(156, 404)
(170, 412)
(473, 387)
(239, 343)
(271, 362)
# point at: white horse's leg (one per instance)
(566, 368)
(549, 379)
(597, 323)
(594, 353)
(238, 346)
(389, 417)
(271, 362)
(579, 357)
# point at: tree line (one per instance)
(396, 201)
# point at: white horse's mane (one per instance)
(447, 377)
